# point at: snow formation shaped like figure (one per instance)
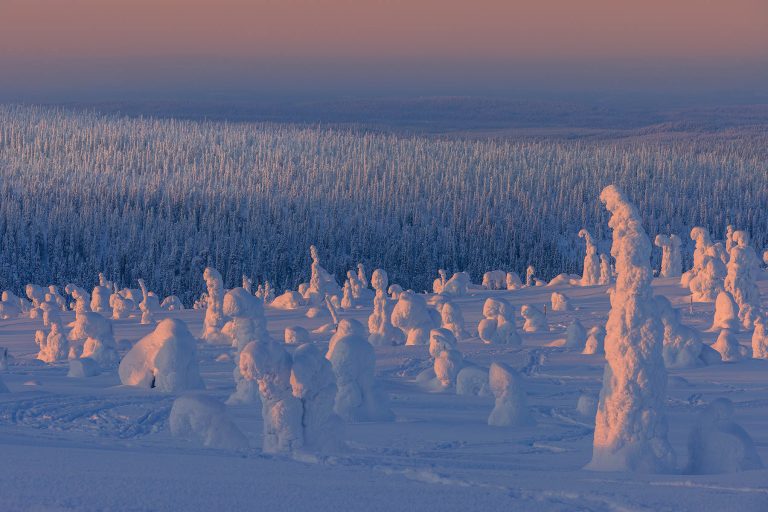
(726, 313)
(295, 335)
(513, 281)
(511, 407)
(682, 345)
(321, 283)
(288, 301)
(379, 280)
(94, 331)
(498, 324)
(358, 288)
(57, 298)
(595, 341)
(452, 319)
(346, 327)
(148, 304)
(202, 419)
(560, 302)
(246, 318)
(411, 316)
(437, 284)
(443, 348)
(495, 280)
(575, 336)
(457, 285)
(630, 426)
(382, 332)
(314, 384)
(729, 347)
(54, 346)
(741, 279)
(172, 303)
(730, 243)
(535, 321)
(269, 365)
(361, 277)
(394, 291)
(591, 274)
(606, 273)
(214, 312)
(100, 297)
(671, 262)
(165, 359)
(121, 307)
(718, 445)
(530, 276)
(49, 310)
(358, 397)
(760, 339)
(81, 297)
(9, 306)
(347, 300)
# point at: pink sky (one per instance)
(138, 37)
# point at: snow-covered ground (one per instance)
(93, 444)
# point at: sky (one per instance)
(109, 48)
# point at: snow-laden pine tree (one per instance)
(591, 275)
(630, 426)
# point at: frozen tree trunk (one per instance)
(591, 274)
(630, 426)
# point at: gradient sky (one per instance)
(444, 46)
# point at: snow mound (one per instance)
(296, 335)
(511, 407)
(288, 301)
(472, 381)
(535, 321)
(729, 347)
(202, 419)
(94, 331)
(411, 316)
(498, 324)
(718, 445)
(575, 336)
(726, 313)
(595, 341)
(560, 302)
(165, 359)
(83, 367)
(495, 280)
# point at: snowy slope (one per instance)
(92, 444)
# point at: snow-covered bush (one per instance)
(165, 359)
(452, 319)
(54, 346)
(472, 381)
(498, 323)
(93, 332)
(575, 336)
(202, 419)
(595, 341)
(411, 316)
(214, 312)
(346, 327)
(682, 344)
(591, 274)
(314, 383)
(83, 367)
(288, 301)
(495, 280)
(269, 365)
(560, 302)
(630, 426)
(295, 335)
(511, 407)
(358, 397)
(741, 279)
(718, 445)
(729, 347)
(671, 261)
(535, 321)
(513, 281)
(726, 313)
(457, 285)
(172, 303)
(760, 339)
(382, 332)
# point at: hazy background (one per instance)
(278, 58)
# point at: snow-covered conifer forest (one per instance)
(218, 316)
(160, 200)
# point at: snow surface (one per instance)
(91, 444)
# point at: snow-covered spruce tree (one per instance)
(606, 272)
(575, 336)
(451, 318)
(741, 279)
(54, 346)
(630, 426)
(214, 314)
(411, 316)
(535, 321)
(511, 406)
(382, 332)
(269, 365)
(498, 323)
(513, 281)
(530, 276)
(591, 275)
(560, 302)
(81, 297)
(92, 334)
(671, 261)
(495, 280)
(682, 345)
(595, 341)
(760, 338)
